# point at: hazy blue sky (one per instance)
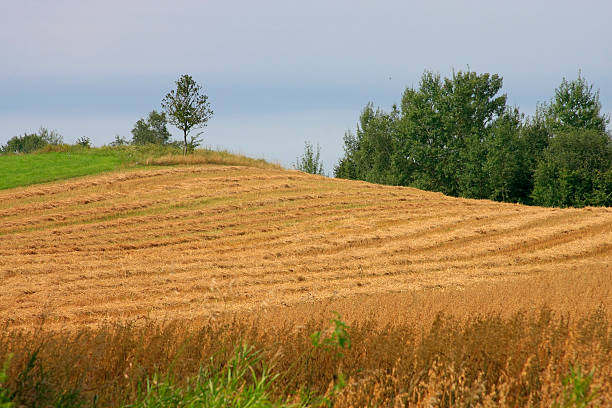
(279, 72)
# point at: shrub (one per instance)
(83, 141)
(32, 142)
(310, 162)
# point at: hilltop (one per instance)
(60, 162)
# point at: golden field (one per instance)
(187, 242)
(451, 302)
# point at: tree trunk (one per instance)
(185, 144)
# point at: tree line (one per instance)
(185, 107)
(459, 136)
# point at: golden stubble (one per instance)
(193, 242)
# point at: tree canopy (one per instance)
(575, 105)
(187, 109)
(153, 130)
(458, 136)
(576, 170)
(310, 162)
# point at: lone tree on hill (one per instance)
(187, 109)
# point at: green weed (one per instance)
(5, 395)
(242, 382)
(336, 341)
(578, 392)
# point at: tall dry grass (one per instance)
(205, 156)
(484, 360)
(508, 344)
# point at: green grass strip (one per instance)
(26, 169)
(64, 161)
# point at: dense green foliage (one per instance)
(187, 109)
(576, 106)
(369, 152)
(575, 170)
(310, 161)
(32, 142)
(153, 130)
(458, 136)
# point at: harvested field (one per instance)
(199, 241)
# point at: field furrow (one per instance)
(195, 241)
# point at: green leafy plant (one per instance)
(242, 382)
(338, 340)
(119, 141)
(5, 396)
(152, 130)
(578, 392)
(29, 143)
(187, 108)
(335, 342)
(310, 162)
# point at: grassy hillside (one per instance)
(63, 162)
(152, 274)
(26, 169)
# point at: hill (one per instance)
(60, 162)
(196, 241)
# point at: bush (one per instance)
(83, 141)
(310, 162)
(31, 142)
(119, 141)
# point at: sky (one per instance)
(279, 72)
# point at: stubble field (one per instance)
(191, 241)
(266, 255)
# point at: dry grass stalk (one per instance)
(210, 157)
